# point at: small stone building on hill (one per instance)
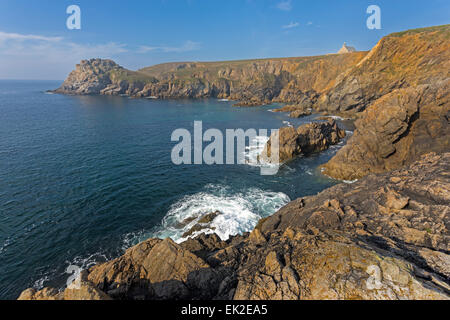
(346, 49)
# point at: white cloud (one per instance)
(29, 56)
(309, 23)
(4, 36)
(187, 46)
(40, 57)
(291, 25)
(285, 5)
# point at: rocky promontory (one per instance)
(396, 130)
(383, 237)
(250, 82)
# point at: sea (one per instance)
(83, 178)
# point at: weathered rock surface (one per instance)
(383, 237)
(336, 84)
(253, 82)
(400, 60)
(296, 111)
(306, 139)
(396, 130)
(80, 289)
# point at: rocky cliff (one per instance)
(400, 60)
(340, 83)
(254, 82)
(395, 130)
(383, 237)
(402, 87)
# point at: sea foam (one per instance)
(239, 211)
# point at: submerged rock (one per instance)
(203, 223)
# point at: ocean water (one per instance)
(84, 178)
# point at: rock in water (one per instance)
(306, 139)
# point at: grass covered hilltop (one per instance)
(385, 236)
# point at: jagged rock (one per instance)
(155, 269)
(254, 103)
(44, 294)
(306, 139)
(300, 113)
(80, 289)
(399, 60)
(296, 111)
(383, 237)
(83, 289)
(254, 82)
(395, 131)
(203, 223)
(208, 218)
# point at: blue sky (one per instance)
(35, 43)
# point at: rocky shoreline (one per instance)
(386, 236)
(383, 237)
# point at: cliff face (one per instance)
(384, 237)
(396, 130)
(342, 83)
(400, 60)
(252, 81)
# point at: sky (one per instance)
(35, 42)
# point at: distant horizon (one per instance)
(41, 47)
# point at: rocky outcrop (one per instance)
(252, 82)
(383, 237)
(396, 130)
(80, 289)
(306, 139)
(296, 111)
(400, 60)
(342, 84)
(203, 223)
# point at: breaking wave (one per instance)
(239, 213)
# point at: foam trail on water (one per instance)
(255, 148)
(288, 123)
(239, 211)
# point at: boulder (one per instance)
(304, 140)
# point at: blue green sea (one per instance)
(83, 178)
